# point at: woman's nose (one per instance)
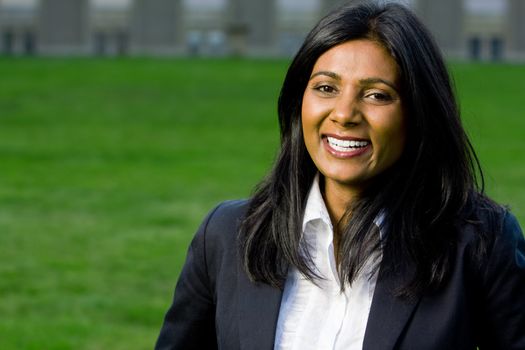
(346, 110)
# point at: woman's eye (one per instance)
(327, 89)
(379, 96)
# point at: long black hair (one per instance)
(423, 196)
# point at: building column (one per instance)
(326, 6)
(445, 20)
(251, 26)
(516, 28)
(156, 26)
(6, 37)
(63, 27)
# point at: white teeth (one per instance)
(346, 145)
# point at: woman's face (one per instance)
(352, 116)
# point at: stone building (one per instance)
(156, 27)
(17, 29)
(251, 26)
(515, 29)
(471, 29)
(445, 19)
(484, 33)
(109, 31)
(63, 27)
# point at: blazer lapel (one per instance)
(259, 306)
(388, 314)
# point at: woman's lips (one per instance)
(345, 147)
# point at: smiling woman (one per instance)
(371, 231)
(352, 117)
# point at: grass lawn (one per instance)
(108, 166)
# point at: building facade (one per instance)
(469, 29)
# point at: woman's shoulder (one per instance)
(221, 224)
(493, 235)
(497, 274)
(227, 214)
(491, 218)
(216, 239)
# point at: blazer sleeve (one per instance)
(190, 321)
(504, 283)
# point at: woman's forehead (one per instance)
(363, 56)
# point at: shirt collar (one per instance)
(316, 209)
(315, 206)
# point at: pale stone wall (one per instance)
(156, 26)
(251, 27)
(445, 19)
(110, 31)
(516, 29)
(63, 27)
(17, 31)
(239, 27)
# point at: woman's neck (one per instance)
(338, 198)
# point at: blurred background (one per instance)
(122, 123)
(473, 29)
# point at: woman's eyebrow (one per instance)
(371, 81)
(326, 73)
(365, 81)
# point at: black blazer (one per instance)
(216, 306)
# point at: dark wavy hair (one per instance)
(424, 195)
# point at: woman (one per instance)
(370, 231)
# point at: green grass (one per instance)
(108, 166)
(491, 98)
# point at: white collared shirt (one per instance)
(320, 316)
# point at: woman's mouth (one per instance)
(344, 148)
(346, 145)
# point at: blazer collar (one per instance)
(259, 306)
(388, 314)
